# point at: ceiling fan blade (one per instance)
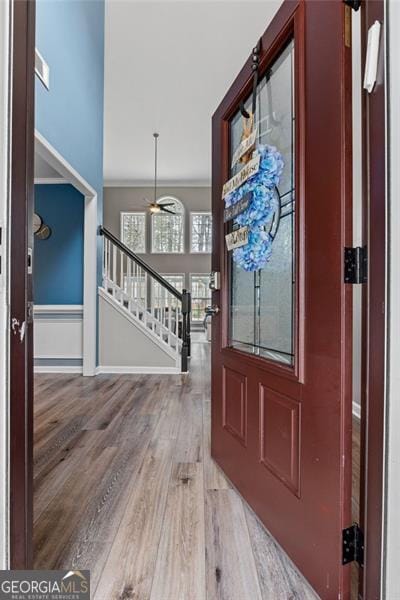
(166, 210)
(167, 204)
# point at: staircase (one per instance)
(145, 298)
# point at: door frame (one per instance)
(71, 176)
(374, 311)
(20, 285)
(5, 19)
(391, 573)
(20, 532)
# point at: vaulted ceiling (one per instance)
(167, 67)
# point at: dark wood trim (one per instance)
(21, 334)
(374, 313)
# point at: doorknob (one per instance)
(212, 310)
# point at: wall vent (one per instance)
(42, 69)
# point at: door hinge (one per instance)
(355, 265)
(353, 545)
(354, 4)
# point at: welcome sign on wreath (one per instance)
(252, 198)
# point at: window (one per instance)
(133, 231)
(167, 229)
(160, 295)
(201, 295)
(201, 232)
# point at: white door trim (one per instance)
(58, 162)
(5, 123)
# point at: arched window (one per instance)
(167, 228)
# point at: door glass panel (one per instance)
(263, 302)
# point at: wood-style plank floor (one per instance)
(125, 486)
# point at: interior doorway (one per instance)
(236, 426)
(62, 171)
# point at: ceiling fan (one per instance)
(156, 207)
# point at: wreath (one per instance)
(264, 204)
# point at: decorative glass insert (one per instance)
(133, 231)
(201, 295)
(167, 229)
(160, 296)
(201, 232)
(262, 312)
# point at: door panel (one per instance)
(281, 349)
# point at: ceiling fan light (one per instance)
(154, 208)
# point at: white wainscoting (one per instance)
(58, 338)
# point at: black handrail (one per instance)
(159, 278)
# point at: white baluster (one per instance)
(104, 262)
(114, 268)
(108, 262)
(135, 286)
(169, 319)
(177, 319)
(121, 273)
(141, 283)
(129, 282)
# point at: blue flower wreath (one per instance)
(264, 203)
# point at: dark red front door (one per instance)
(281, 350)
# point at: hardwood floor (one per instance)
(125, 486)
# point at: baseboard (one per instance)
(356, 410)
(58, 369)
(138, 370)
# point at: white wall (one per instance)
(4, 163)
(392, 516)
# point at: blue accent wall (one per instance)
(58, 261)
(70, 37)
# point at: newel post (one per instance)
(186, 315)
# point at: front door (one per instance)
(281, 349)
